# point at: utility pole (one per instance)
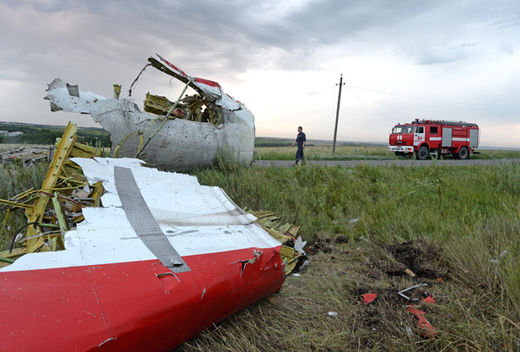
(341, 84)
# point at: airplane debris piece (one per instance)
(27, 155)
(409, 272)
(42, 229)
(429, 299)
(425, 328)
(503, 254)
(368, 297)
(191, 132)
(292, 250)
(119, 256)
(401, 293)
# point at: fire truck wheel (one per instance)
(422, 153)
(463, 153)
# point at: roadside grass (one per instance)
(463, 222)
(324, 152)
(359, 152)
(496, 154)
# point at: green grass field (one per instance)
(460, 221)
(356, 152)
(365, 225)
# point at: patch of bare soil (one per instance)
(385, 270)
(420, 256)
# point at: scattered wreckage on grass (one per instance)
(119, 256)
(26, 155)
(189, 133)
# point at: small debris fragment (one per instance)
(299, 244)
(409, 272)
(429, 300)
(440, 280)
(369, 297)
(297, 275)
(27, 155)
(401, 293)
(333, 314)
(501, 255)
(426, 329)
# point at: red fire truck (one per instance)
(428, 137)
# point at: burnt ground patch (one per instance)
(420, 256)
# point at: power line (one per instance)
(435, 100)
(370, 106)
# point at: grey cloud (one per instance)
(446, 55)
(97, 43)
(225, 36)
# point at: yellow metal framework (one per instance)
(35, 214)
(63, 177)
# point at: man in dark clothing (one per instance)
(300, 141)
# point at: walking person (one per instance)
(300, 142)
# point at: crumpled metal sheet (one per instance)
(178, 144)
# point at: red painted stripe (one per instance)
(197, 79)
(207, 82)
(176, 68)
(125, 306)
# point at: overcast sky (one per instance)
(454, 60)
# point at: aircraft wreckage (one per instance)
(116, 256)
(188, 133)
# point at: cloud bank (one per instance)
(400, 59)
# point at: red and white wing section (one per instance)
(109, 291)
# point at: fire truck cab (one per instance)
(428, 137)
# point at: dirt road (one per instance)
(353, 163)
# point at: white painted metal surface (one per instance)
(196, 220)
(419, 135)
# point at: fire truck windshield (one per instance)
(403, 129)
